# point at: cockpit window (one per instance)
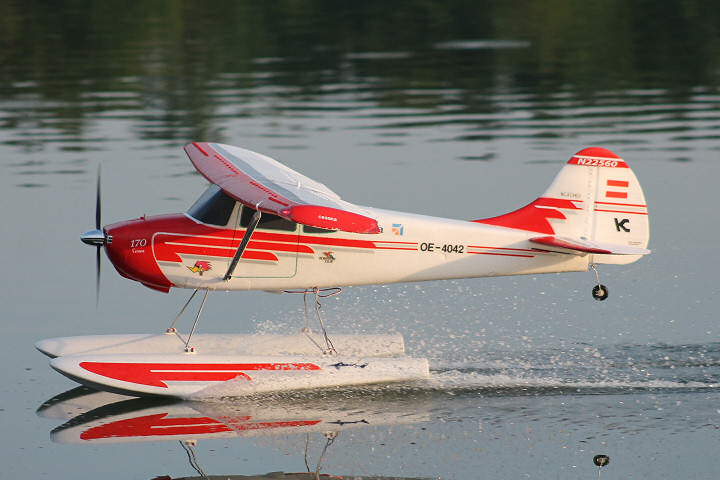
(213, 207)
(267, 221)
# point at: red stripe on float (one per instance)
(160, 425)
(155, 374)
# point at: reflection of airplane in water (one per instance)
(99, 417)
(94, 417)
(283, 476)
(274, 476)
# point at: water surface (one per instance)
(444, 109)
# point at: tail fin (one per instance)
(594, 206)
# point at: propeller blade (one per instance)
(98, 226)
(98, 207)
(97, 277)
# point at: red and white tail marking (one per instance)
(597, 157)
(619, 189)
(595, 198)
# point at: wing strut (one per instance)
(243, 244)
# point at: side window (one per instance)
(309, 229)
(213, 207)
(267, 221)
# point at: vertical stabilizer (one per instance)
(595, 205)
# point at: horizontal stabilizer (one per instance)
(578, 246)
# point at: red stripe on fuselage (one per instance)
(535, 216)
(170, 253)
(502, 254)
(506, 252)
(181, 229)
(168, 246)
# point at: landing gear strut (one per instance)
(319, 293)
(173, 331)
(599, 291)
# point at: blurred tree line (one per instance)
(173, 53)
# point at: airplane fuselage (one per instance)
(181, 251)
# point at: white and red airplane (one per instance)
(263, 226)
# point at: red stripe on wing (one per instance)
(332, 219)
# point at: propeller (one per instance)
(96, 237)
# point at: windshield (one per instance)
(213, 207)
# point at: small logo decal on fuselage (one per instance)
(200, 267)
(327, 257)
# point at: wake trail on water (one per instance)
(450, 380)
(586, 370)
(577, 370)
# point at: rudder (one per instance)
(620, 215)
(594, 205)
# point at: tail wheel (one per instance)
(600, 292)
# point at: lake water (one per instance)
(446, 108)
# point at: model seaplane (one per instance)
(263, 226)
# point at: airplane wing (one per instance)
(578, 246)
(270, 187)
